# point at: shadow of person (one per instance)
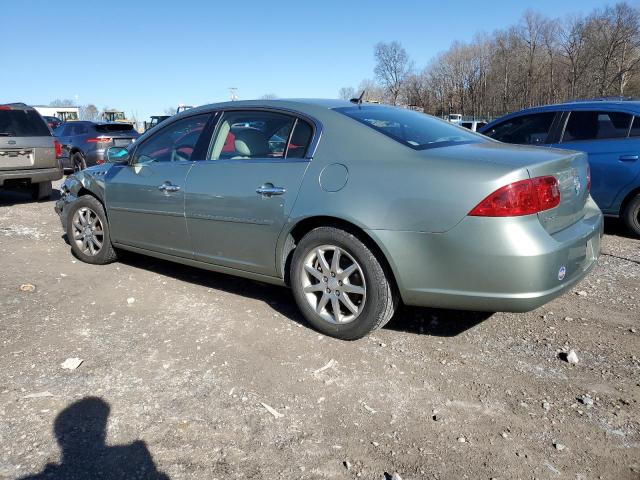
(81, 430)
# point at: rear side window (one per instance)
(594, 125)
(530, 129)
(251, 134)
(635, 127)
(413, 129)
(22, 123)
(300, 140)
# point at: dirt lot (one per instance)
(196, 375)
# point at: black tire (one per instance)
(106, 254)
(631, 215)
(41, 190)
(78, 162)
(381, 298)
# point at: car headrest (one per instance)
(251, 143)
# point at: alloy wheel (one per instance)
(88, 232)
(333, 284)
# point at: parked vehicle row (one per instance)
(354, 206)
(607, 130)
(29, 155)
(84, 143)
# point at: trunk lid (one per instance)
(571, 170)
(505, 163)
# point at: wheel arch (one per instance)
(305, 225)
(628, 197)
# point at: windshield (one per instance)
(413, 129)
(22, 123)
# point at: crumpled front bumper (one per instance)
(62, 207)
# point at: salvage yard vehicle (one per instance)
(473, 125)
(84, 143)
(365, 205)
(155, 120)
(607, 130)
(29, 155)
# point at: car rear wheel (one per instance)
(339, 285)
(631, 215)
(41, 190)
(78, 162)
(88, 232)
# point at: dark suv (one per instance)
(29, 155)
(84, 143)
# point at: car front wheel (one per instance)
(631, 215)
(88, 231)
(339, 285)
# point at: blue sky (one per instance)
(144, 56)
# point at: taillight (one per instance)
(5, 107)
(99, 140)
(588, 178)
(58, 148)
(520, 198)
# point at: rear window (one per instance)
(413, 129)
(114, 127)
(22, 123)
(593, 125)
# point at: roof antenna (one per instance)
(358, 100)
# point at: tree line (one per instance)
(539, 60)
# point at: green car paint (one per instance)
(412, 203)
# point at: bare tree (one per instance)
(539, 60)
(89, 112)
(65, 102)
(170, 111)
(392, 67)
(269, 96)
(347, 93)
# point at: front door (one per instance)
(239, 199)
(145, 199)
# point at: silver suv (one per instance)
(29, 155)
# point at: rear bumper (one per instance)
(492, 264)
(34, 175)
(95, 157)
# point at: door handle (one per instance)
(628, 158)
(268, 190)
(168, 187)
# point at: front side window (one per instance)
(413, 129)
(255, 134)
(175, 142)
(523, 130)
(594, 125)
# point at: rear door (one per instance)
(613, 154)
(25, 140)
(145, 199)
(238, 200)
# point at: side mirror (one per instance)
(117, 155)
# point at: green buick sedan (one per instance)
(356, 207)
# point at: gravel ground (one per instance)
(187, 374)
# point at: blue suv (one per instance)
(607, 130)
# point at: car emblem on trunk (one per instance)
(11, 142)
(576, 183)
